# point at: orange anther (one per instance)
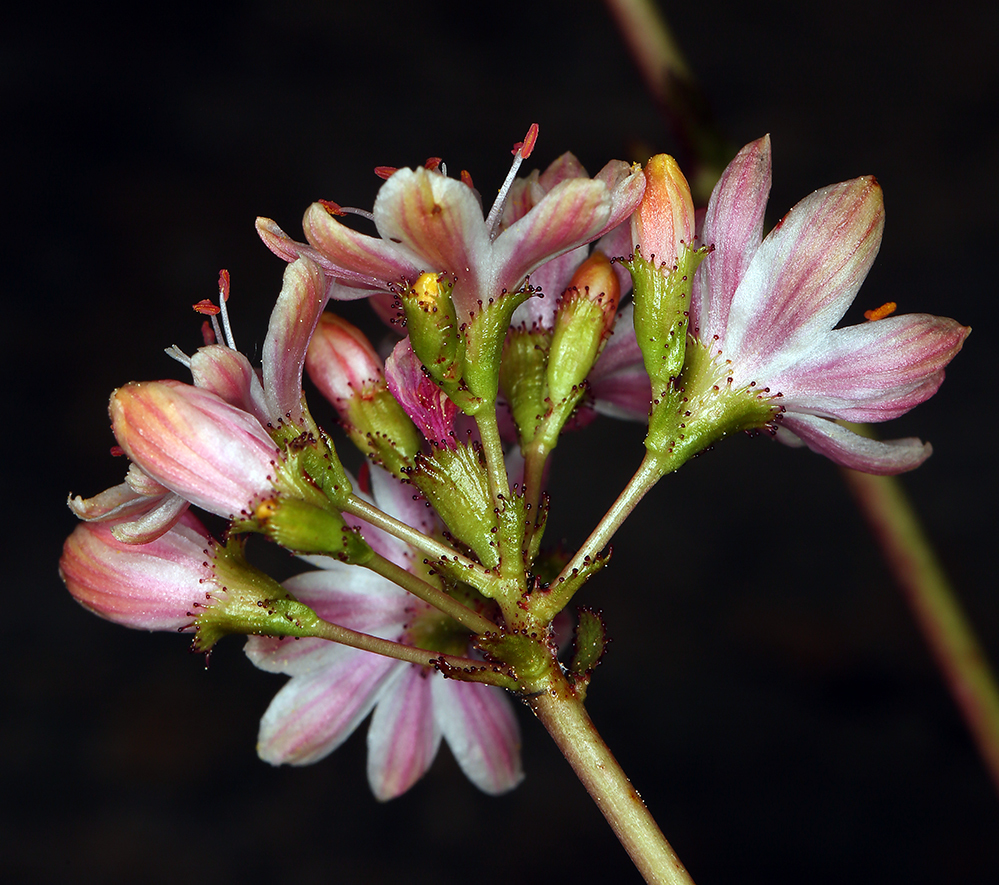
(331, 207)
(204, 306)
(386, 172)
(466, 178)
(224, 284)
(886, 309)
(527, 145)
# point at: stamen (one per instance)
(386, 172)
(521, 151)
(886, 309)
(466, 178)
(223, 298)
(175, 353)
(205, 307)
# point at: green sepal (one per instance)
(588, 647)
(523, 379)
(702, 407)
(302, 527)
(251, 603)
(456, 484)
(433, 328)
(581, 327)
(382, 430)
(662, 304)
(528, 654)
(485, 334)
(313, 472)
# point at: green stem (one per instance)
(471, 572)
(466, 669)
(566, 719)
(492, 447)
(647, 475)
(430, 594)
(935, 606)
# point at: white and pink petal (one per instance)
(480, 727)
(316, 712)
(404, 735)
(848, 449)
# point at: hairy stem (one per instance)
(430, 594)
(648, 474)
(563, 715)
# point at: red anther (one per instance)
(880, 313)
(117, 451)
(386, 172)
(224, 284)
(433, 164)
(204, 306)
(526, 147)
(208, 333)
(466, 178)
(331, 207)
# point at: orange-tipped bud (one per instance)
(664, 222)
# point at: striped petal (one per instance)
(849, 449)
(481, 729)
(874, 371)
(804, 276)
(404, 736)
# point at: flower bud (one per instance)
(664, 221)
(663, 269)
(344, 366)
(425, 403)
(153, 586)
(184, 579)
(584, 319)
(215, 455)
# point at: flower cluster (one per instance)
(515, 331)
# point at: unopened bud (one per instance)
(584, 319)
(663, 269)
(345, 367)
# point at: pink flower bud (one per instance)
(215, 455)
(342, 363)
(665, 217)
(155, 586)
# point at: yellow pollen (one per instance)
(427, 291)
(885, 310)
(266, 509)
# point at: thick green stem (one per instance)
(566, 719)
(428, 593)
(935, 607)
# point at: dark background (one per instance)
(767, 690)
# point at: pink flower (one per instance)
(155, 586)
(274, 395)
(333, 687)
(200, 447)
(766, 310)
(428, 222)
(427, 405)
